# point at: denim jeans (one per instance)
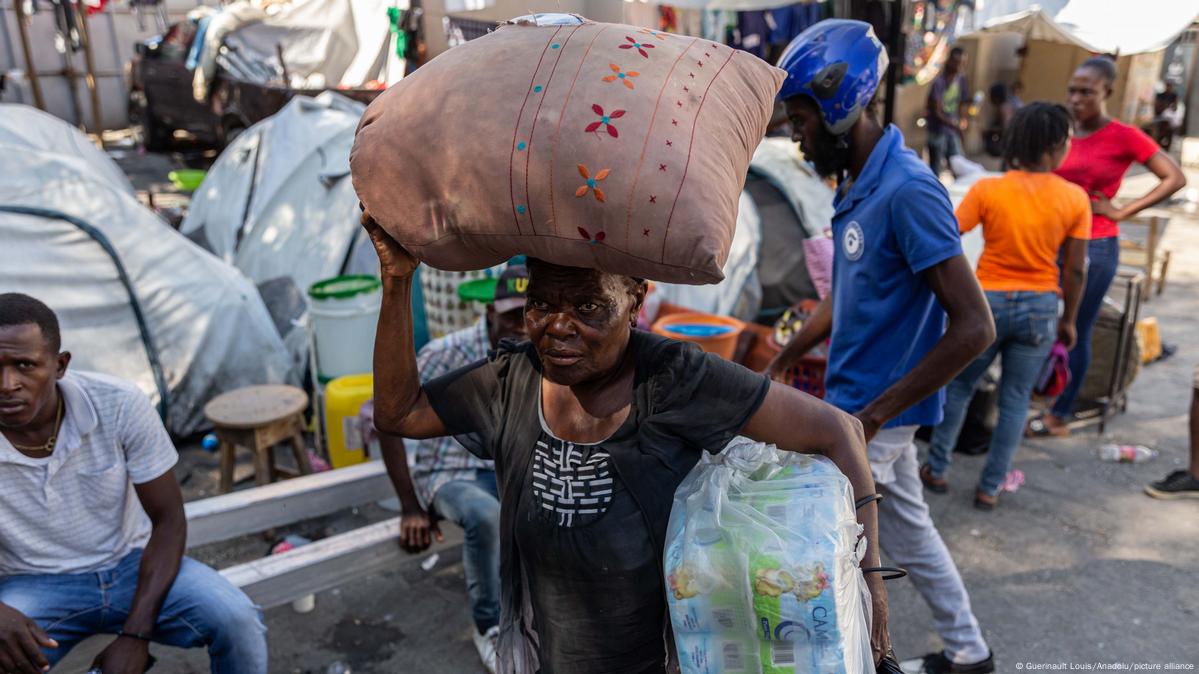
(201, 609)
(1103, 257)
(474, 505)
(942, 144)
(1025, 328)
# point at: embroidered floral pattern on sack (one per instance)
(605, 122)
(598, 238)
(639, 46)
(592, 184)
(625, 77)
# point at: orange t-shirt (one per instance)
(1026, 218)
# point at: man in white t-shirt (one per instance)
(92, 528)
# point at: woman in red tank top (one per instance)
(1102, 151)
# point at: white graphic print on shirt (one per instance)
(573, 483)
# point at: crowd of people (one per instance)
(554, 433)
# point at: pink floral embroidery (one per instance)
(591, 185)
(605, 122)
(639, 46)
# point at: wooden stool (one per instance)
(258, 418)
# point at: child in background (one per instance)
(1029, 217)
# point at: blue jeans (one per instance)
(474, 505)
(1103, 257)
(1025, 328)
(201, 609)
(942, 144)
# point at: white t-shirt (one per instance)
(76, 511)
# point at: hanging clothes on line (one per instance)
(668, 19)
(64, 22)
(753, 32)
(788, 22)
(719, 25)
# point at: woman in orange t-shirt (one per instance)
(1102, 151)
(1029, 216)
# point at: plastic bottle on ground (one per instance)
(1127, 453)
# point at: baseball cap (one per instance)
(511, 288)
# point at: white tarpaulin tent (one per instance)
(23, 126)
(279, 202)
(1103, 26)
(136, 299)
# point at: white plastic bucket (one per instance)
(343, 312)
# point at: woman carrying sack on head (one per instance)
(610, 154)
(1100, 155)
(1029, 217)
(593, 425)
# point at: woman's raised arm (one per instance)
(401, 406)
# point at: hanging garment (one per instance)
(753, 32)
(668, 19)
(64, 21)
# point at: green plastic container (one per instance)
(187, 180)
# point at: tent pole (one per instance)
(90, 75)
(895, 49)
(31, 71)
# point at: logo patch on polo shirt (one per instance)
(853, 242)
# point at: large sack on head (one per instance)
(589, 145)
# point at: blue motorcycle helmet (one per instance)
(839, 64)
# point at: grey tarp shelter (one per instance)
(135, 298)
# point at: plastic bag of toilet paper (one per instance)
(762, 554)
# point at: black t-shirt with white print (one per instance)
(582, 536)
(592, 598)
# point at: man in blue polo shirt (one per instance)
(898, 272)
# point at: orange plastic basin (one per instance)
(714, 334)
